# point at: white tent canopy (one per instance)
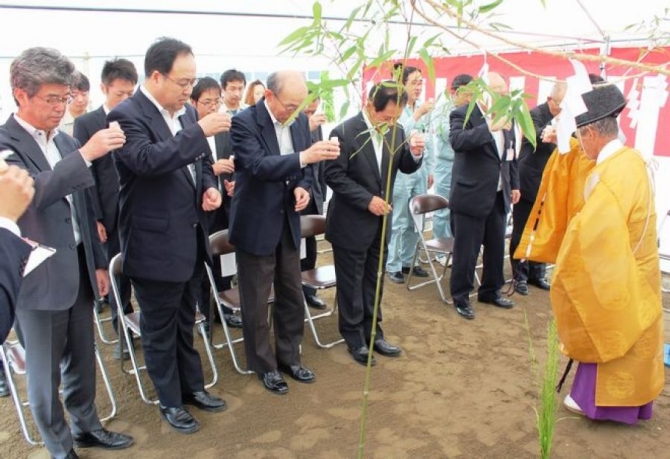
(245, 35)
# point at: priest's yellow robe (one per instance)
(606, 287)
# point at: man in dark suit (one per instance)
(118, 80)
(17, 190)
(316, 200)
(484, 184)
(206, 98)
(273, 157)
(167, 186)
(531, 167)
(55, 306)
(359, 180)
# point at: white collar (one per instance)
(160, 108)
(608, 150)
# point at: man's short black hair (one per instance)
(204, 84)
(80, 82)
(161, 55)
(118, 69)
(232, 75)
(385, 92)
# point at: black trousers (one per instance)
(523, 270)
(256, 274)
(470, 233)
(309, 262)
(356, 273)
(166, 323)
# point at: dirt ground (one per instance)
(461, 389)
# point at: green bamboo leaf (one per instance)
(491, 6)
(316, 9)
(296, 36)
(410, 45)
(526, 124)
(430, 64)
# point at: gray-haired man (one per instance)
(55, 304)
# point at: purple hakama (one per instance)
(583, 393)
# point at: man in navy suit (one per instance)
(167, 186)
(360, 179)
(54, 313)
(17, 190)
(273, 154)
(484, 183)
(118, 78)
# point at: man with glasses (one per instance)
(55, 305)
(273, 153)
(206, 98)
(78, 104)
(118, 80)
(167, 186)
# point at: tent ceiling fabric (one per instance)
(78, 33)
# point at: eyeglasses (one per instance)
(184, 83)
(289, 108)
(209, 103)
(54, 100)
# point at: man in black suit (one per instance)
(54, 313)
(359, 180)
(531, 166)
(167, 186)
(273, 157)
(315, 206)
(206, 98)
(17, 190)
(485, 182)
(118, 80)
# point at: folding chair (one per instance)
(320, 278)
(129, 326)
(419, 206)
(14, 361)
(219, 245)
(100, 325)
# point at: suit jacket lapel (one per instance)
(185, 122)
(268, 132)
(30, 147)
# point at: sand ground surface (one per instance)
(461, 389)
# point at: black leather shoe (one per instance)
(233, 321)
(315, 302)
(71, 455)
(299, 373)
(4, 387)
(274, 382)
(397, 277)
(541, 283)
(521, 288)
(104, 439)
(464, 309)
(498, 301)
(179, 419)
(387, 349)
(418, 271)
(360, 355)
(204, 401)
